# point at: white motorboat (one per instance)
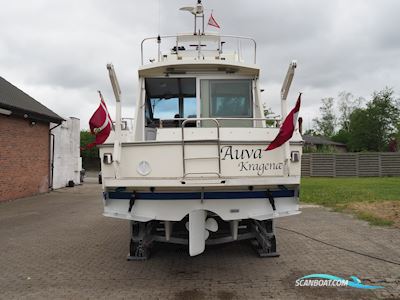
(193, 169)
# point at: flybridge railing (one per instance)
(198, 41)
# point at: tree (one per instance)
(325, 125)
(396, 139)
(91, 154)
(347, 104)
(372, 128)
(342, 136)
(396, 136)
(359, 138)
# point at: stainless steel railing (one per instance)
(275, 121)
(198, 38)
(217, 140)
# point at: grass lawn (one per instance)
(375, 199)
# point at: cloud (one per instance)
(57, 50)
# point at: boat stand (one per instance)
(141, 240)
(143, 234)
(265, 240)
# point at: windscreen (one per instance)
(170, 98)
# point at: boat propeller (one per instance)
(199, 230)
(210, 225)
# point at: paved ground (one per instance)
(58, 245)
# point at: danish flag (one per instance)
(212, 22)
(287, 128)
(100, 124)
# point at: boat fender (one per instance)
(132, 201)
(271, 199)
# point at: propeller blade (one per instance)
(211, 224)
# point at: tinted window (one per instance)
(189, 107)
(164, 108)
(230, 98)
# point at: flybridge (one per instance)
(207, 46)
(199, 45)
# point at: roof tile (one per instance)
(12, 97)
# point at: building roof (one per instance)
(20, 103)
(320, 140)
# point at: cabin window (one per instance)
(230, 98)
(227, 98)
(164, 108)
(190, 108)
(168, 99)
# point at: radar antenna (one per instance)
(198, 12)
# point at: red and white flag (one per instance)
(100, 124)
(212, 22)
(287, 128)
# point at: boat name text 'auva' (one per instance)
(229, 153)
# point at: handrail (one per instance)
(152, 38)
(158, 39)
(245, 38)
(220, 119)
(183, 143)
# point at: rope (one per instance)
(339, 247)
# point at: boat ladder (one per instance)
(217, 157)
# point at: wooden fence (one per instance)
(350, 164)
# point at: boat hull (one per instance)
(175, 188)
(228, 205)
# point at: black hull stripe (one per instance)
(197, 195)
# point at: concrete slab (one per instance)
(59, 246)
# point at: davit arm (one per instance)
(117, 141)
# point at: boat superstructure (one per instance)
(193, 169)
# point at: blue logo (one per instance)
(333, 281)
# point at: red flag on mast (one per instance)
(287, 128)
(100, 124)
(212, 22)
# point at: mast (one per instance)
(198, 12)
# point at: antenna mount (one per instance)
(198, 12)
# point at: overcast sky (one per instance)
(56, 51)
